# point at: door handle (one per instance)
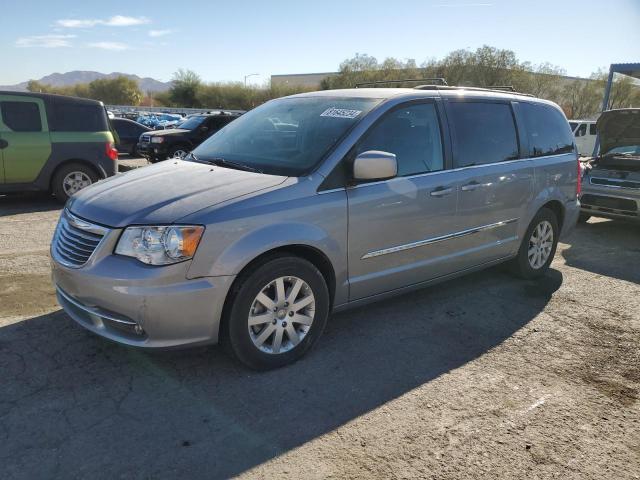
(3, 143)
(471, 186)
(440, 191)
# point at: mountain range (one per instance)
(67, 79)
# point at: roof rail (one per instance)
(441, 81)
(497, 88)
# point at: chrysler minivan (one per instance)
(311, 204)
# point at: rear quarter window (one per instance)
(70, 117)
(21, 116)
(547, 129)
(485, 133)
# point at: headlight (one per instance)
(160, 245)
(157, 139)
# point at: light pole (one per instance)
(247, 76)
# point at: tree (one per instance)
(113, 91)
(184, 89)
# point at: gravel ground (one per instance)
(485, 376)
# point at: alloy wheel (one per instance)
(74, 182)
(540, 245)
(281, 315)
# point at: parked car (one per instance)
(53, 143)
(612, 179)
(362, 194)
(585, 133)
(128, 135)
(177, 142)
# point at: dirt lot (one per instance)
(482, 377)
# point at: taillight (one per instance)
(579, 182)
(111, 151)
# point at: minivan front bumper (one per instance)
(128, 302)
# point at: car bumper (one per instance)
(128, 302)
(610, 202)
(571, 213)
(152, 149)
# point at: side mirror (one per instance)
(375, 165)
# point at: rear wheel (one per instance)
(70, 179)
(277, 312)
(538, 246)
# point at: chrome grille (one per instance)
(75, 240)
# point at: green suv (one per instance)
(53, 143)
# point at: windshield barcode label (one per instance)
(340, 113)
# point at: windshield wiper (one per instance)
(223, 162)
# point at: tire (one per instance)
(86, 176)
(583, 217)
(243, 306)
(522, 265)
(173, 151)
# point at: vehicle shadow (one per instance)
(75, 405)
(30, 202)
(605, 247)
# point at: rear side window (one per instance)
(548, 130)
(21, 116)
(485, 133)
(73, 117)
(582, 130)
(592, 129)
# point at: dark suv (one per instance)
(177, 142)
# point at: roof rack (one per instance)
(441, 81)
(496, 88)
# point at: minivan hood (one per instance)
(164, 192)
(619, 128)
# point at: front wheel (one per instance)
(70, 179)
(538, 246)
(277, 312)
(179, 151)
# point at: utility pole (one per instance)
(247, 76)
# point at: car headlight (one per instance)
(157, 139)
(160, 245)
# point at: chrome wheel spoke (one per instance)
(277, 340)
(266, 333)
(294, 338)
(280, 297)
(266, 301)
(302, 319)
(303, 303)
(294, 290)
(260, 319)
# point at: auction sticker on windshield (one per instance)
(340, 113)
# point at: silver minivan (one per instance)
(311, 204)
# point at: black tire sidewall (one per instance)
(56, 185)
(522, 261)
(172, 151)
(237, 328)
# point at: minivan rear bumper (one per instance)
(132, 304)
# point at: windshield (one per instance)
(191, 123)
(627, 149)
(289, 136)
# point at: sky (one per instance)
(224, 41)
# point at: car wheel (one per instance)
(583, 218)
(538, 246)
(72, 178)
(277, 312)
(179, 151)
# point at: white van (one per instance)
(585, 133)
